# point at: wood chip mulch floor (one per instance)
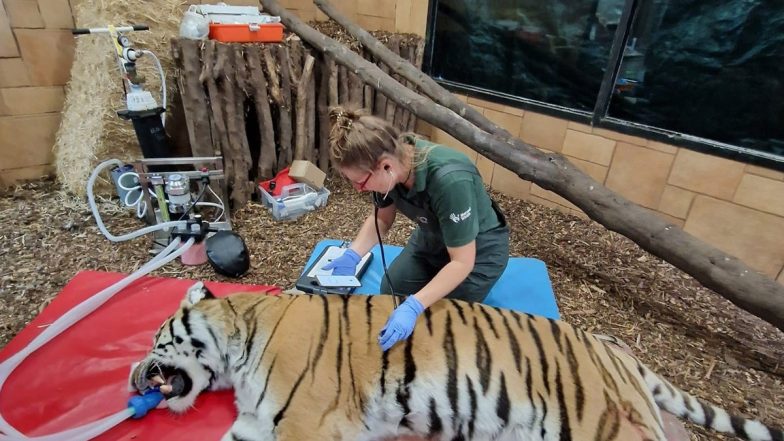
(604, 283)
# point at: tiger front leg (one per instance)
(249, 427)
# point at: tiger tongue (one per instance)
(176, 383)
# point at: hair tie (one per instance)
(348, 121)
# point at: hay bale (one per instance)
(90, 131)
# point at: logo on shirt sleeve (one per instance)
(460, 217)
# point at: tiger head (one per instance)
(186, 356)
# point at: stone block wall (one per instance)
(36, 52)
(737, 207)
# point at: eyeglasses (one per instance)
(361, 185)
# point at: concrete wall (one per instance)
(736, 207)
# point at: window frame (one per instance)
(599, 117)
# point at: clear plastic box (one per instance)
(294, 201)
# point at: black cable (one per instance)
(193, 204)
(383, 257)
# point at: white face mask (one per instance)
(391, 184)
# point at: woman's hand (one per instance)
(401, 323)
(345, 265)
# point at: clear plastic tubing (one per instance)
(78, 312)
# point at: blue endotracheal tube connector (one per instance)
(141, 404)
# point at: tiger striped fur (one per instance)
(308, 367)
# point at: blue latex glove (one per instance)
(345, 265)
(401, 323)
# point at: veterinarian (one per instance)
(461, 244)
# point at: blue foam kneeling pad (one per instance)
(524, 286)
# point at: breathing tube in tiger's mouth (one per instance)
(171, 381)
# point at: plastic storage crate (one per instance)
(246, 32)
(294, 200)
(240, 24)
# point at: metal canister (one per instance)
(178, 192)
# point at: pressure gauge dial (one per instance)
(124, 41)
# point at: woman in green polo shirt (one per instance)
(461, 244)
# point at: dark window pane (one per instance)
(552, 51)
(709, 68)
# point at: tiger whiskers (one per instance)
(159, 380)
(160, 371)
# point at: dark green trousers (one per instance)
(425, 255)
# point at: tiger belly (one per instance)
(429, 416)
(477, 373)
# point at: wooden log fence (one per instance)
(260, 106)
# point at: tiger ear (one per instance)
(197, 293)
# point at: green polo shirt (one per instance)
(458, 199)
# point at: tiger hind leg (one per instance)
(671, 425)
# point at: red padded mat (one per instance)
(82, 374)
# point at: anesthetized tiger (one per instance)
(309, 367)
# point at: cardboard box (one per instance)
(307, 172)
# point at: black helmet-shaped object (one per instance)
(228, 254)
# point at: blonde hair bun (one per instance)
(358, 139)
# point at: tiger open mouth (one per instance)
(171, 381)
